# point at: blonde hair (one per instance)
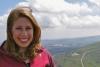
(11, 46)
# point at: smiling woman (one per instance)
(23, 47)
(22, 32)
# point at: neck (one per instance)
(22, 55)
(22, 50)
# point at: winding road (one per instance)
(83, 55)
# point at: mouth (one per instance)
(24, 40)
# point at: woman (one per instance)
(22, 47)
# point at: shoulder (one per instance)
(49, 56)
(2, 50)
(45, 51)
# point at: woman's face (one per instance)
(22, 32)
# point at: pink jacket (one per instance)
(44, 59)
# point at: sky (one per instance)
(58, 18)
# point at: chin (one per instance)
(23, 45)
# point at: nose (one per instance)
(24, 32)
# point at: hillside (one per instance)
(88, 55)
(92, 55)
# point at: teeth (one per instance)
(23, 40)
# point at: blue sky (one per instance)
(5, 5)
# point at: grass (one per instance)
(91, 59)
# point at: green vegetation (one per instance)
(73, 59)
(92, 58)
(68, 61)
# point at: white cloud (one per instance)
(59, 14)
(58, 6)
(84, 9)
(52, 5)
(83, 21)
(48, 20)
(56, 13)
(90, 21)
(97, 2)
(22, 4)
(3, 20)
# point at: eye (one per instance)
(18, 28)
(28, 28)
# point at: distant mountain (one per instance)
(70, 44)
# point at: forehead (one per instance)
(22, 21)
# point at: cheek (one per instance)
(15, 34)
(31, 35)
